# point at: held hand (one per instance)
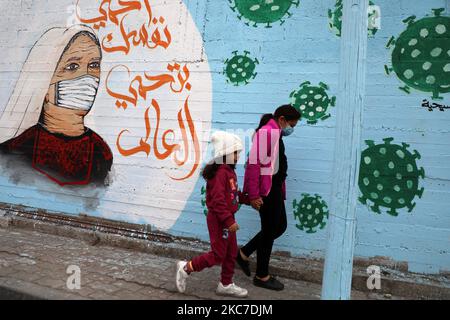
(243, 198)
(257, 203)
(233, 227)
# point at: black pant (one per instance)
(273, 225)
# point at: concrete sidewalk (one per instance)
(34, 265)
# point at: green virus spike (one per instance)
(363, 200)
(388, 70)
(420, 55)
(246, 162)
(203, 200)
(422, 173)
(416, 154)
(375, 208)
(335, 19)
(240, 69)
(313, 102)
(411, 206)
(436, 96)
(410, 20)
(323, 85)
(389, 176)
(437, 12)
(333, 101)
(370, 143)
(393, 212)
(263, 12)
(388, 140)
(391, 42)
(405, 89)
(420, 192)
(311, 213)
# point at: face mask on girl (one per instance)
(287, 131)
(78, 93)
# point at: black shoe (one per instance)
(245, 265)
(271, 284)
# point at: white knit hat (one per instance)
(225, 143)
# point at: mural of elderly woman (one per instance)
(44, 118)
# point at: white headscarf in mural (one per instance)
(25, 104)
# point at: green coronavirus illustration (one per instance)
(421, 54)
(312, 101)
(203, 201)
(335, 19)
(265, 12)
(240, 69)
(389, 176)
(311, 213)
(203, 192)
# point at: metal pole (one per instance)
(337, 277)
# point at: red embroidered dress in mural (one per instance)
(65, 160)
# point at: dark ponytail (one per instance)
(264, 120)
(210, 170)
(287, 111)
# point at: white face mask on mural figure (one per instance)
(34, 90)
(78, 93)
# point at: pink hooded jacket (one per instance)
(263, 162)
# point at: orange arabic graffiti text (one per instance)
(170, 149)
(176, 83)
(141, 36)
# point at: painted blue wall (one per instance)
(304, 49)
(301, 49)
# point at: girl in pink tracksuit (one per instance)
(222, 200)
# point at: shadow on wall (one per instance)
(15, 170)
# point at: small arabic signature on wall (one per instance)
(434, 105)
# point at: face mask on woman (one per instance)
(287, 131)
(78, 93)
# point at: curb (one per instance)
(7, 293)
(20, 290)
